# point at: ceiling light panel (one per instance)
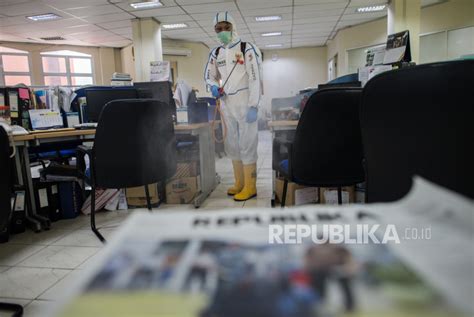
(268, 18)
(44, 17)
(146, 5)
(271, 34)
(174, 26)
(369, 9)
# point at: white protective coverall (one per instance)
(242, 91)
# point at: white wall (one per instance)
(295, 69)
(445, 16)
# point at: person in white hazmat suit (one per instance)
(240, 98)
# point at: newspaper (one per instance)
(224, 263)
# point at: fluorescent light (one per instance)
(272, 34)
(268, 18)
(273, 45)
(44, 17)
(371, 8)
(146, 4)
(175, 26)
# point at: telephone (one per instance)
(11, 131)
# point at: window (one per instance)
(446, 45)
(67, 68)
(14, 67)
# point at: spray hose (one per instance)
(238, 61)
(214, 122)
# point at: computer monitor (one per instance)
(98, 98)
(160, 90)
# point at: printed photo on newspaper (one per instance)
(410, 258)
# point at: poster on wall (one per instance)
(160, 71)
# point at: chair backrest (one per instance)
(134, 144)
(419, 121)
(327, 148)
(5, 184)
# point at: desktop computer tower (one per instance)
(18, 100)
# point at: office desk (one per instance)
(283, 125)
(22, 163)
(209, 178)
(285, 129)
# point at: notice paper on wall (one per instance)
(45, 119)
(160, 71)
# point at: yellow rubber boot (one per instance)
(250, 183)
(239, 178)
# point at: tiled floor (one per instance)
(36, 267)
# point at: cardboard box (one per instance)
(329, 195)
(182, 190)
(296, 194)
(136, 196)
(186, 169)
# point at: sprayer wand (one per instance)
(218, 106)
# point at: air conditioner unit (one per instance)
(176, 51)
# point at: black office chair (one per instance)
(5, 185)
(134, 146)
(327, 147)
(419, 121)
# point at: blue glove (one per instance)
(252, 114)
(215, 91)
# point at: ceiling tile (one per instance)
(158, 12)
(211, 8)
(25, 9)
(94, 10)
(188, 2)
(262, 4)
(14, 21)
(174, 18)
(70, 4)
(268, 11)
(109, 18)
(306, 2)
(88, 28)
(123, 31)
(85, 36)
(327, 26)
(314, 14)
(320, 7)
(316, 20)
(115, 24)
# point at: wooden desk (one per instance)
(209, 178)
(22, 163)
(283, 125)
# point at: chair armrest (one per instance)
(279, 144)
(81, 152)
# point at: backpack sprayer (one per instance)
(218, 105)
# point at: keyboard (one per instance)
(83, 126)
